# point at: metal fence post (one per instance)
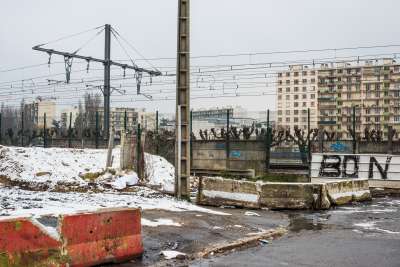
(268, 145)
(44, 131)
(70, 131)
(227, 139)
(157, 137)
(191, 139)
(22, 129)
(1, 129)
(125, 120)
(354, 130)
(97, 131)
(308, 134)
(138, 150)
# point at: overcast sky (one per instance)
(217, 27)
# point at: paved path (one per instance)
(358, 235)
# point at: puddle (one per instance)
(309, 222)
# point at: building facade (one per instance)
(297, 93)
(371, 88)
(333, 91)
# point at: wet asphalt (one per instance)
(361, 234)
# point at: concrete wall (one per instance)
(355, 166)
(244, 154)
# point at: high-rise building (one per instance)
(372, 88)
(332, 91)
(297, 93)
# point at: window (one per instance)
(304, 89)
(296, 119)
(312, 104)
(377, 119)
(280, 90)
(340, 71)
(280, 82)
(287, 81)
(287, 74)
(348, 96)
(287, 119)
(304, 80)
(279, 112)
(296, 89)
(287, 89)
(296, 74)
(348, 71)
(296, 97)
(280, 119)
(296, 104)
(313, 72)
(339, 87)
(304, 96)
(279, 97)
(312, 96)
(296, 112)
(396, 118)
(296, 81)
(288, 97)
(313, 80)
(287, 112)
(304, 73)
(367, 87)
(304, 104)
(367, 119)
(387, 85)
(279, 74)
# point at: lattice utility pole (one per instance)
(182, 142)
(107, 62)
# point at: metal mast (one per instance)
(182, 144)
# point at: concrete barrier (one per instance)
(218, 192)
(287, 195)
(346, 191)
(25, 243)
(104, 236)
(320, 194)
(82, 239)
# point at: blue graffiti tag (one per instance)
(339, 147)
(235, 154)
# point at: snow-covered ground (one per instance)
(55, 166)
(62, 166)
(18, 202)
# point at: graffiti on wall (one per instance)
(354, 166)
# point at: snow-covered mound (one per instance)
(160, 173)
(80, 167)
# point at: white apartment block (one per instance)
(297, 92)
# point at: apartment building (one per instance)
(38, 108)
(371, 87)
(297, 92)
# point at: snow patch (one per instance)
(158, 222)
(160, 173)
(251, 213)
(124, 181)
(171, 254)
(233, 196)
